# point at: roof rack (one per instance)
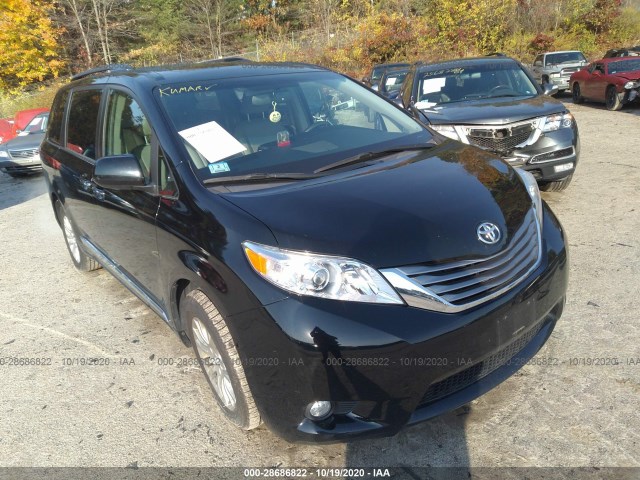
(226, 59)
(102, 69)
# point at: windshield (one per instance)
(565, 57)
(38, 124)
(293, 123)
(393, 80)
(624, 66)
(451, 85)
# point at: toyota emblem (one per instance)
(488, 233)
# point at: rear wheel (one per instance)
(219, 359)
(556, 186)
(613, 100)
(81, 260)
(577, 98)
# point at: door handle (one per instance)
(86, 184)
(99, 194)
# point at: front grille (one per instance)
(500, 139)
(466, 281)
(32, 152)
(568, 71)
(478, 371)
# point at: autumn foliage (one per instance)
(29, 43)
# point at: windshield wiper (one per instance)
(259, 177)
(363, 157)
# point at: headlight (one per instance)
(556, 122)
(4, 153)
(534, 192)
(446, 130)
(320, 275)
(630, 85)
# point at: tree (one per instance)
(29, 47)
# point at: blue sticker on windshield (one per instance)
(219, 167)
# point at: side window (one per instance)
(167, 184)
(83, 122)
(57, 117)
(539, 58)
(127, 130)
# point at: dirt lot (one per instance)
(571, 411)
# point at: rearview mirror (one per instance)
(119, 172)
(549, 88)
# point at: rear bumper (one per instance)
(383, 366)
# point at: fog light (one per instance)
(563, 167)
(319, 410)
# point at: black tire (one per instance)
(613, 102)
(80, 259)
(556, 186)
(195, 306)
(577, 98)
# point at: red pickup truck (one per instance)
(10, 128)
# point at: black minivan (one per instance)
(340, 270)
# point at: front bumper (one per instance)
(561, 82)
(26, 165)
(553, 157)
(385, 366)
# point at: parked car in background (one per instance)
(557, 67)
(338, 276)
(21, 156)
(391, 81)
(623, 52)
(615, 81)
(377, 71)
(495, 104)
(20, 121)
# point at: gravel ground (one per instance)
(135, 411)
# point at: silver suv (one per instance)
(557, 67)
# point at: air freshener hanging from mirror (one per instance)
(275, 116)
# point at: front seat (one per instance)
(256, 129)
(143, 151)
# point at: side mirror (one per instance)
(366, 79)
(537, 63)
(597, 73)
(550, 88)
(119, 172)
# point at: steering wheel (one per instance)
(315, 125)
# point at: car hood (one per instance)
(425, 210)
(493, 111)
(33, 140)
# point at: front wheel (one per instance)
(81, 260)
(219, 359)
(577, 98)
(613, 100)
(556, 186)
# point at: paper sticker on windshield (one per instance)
(219, 167)
(390, 81)
(423, 105)
(212, 141)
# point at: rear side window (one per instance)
(56, 118)
(83, 122)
